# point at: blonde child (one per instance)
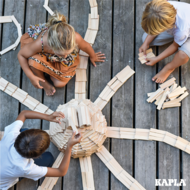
(53, 48)
(165, 22)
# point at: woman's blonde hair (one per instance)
(158, 16)
(61, 35)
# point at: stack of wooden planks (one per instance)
(49, 182)
(6, 19)
(23, 97)
(152, 134)
(81, 116)
(113, 86)
(149, 54)
(118, 171)
(87, 173)
(168, 95)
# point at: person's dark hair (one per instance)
(32, 143)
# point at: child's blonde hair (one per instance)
(158, 16)
(61, 35)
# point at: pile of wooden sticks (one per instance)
(168, 95)
(149, 54)
(81, 116)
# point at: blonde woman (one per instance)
(167, 22)
(53, 48)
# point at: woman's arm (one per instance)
(26, 114)
(86, 47)
(27, 51)
(63, 168)
(166, 53)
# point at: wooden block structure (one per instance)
(149, 54)
(23, 97)
(49, 182)
(81, 78)
(84, 116)
(169, 95)
(113, 86)
(87, 173)
(7, 19)
(117, 170)
(91, 124)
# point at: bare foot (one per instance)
(49, 89)
(162, 75)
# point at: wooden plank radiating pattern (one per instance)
(122, 101)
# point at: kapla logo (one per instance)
(170, 182)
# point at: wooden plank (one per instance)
(79, 11)
(99, 78)
(168, 120)
(145, 169)
(8, 70)
(7, 114)
(122, 101)
(185, 110)
(59, 96)
(33, 16)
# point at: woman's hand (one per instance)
(143, 48)
(99, 57)
(151, 61)
(56, 116)
(36, 82)
(74, 139)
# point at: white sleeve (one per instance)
(180, 37)
(35, 172)
(14, 128)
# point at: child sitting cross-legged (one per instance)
(167, 22)
(23, 151)
(53, 48)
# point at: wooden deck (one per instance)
(119, 37)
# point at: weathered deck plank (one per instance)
(79, 11)
(9, 65)
(185, 113)
(169, 121)
(185, 81)
(122, 102)
(10, 69)
(145, 152)
(99, 77)
(35, 14)
(59, 97)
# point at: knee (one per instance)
(59, 84)
(183, 56)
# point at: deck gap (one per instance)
(111, 102)
(180, 132)
(23, 30)
(88, 83)
(3, 9)
(157, 127)
(134, 88)
(69, 6)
